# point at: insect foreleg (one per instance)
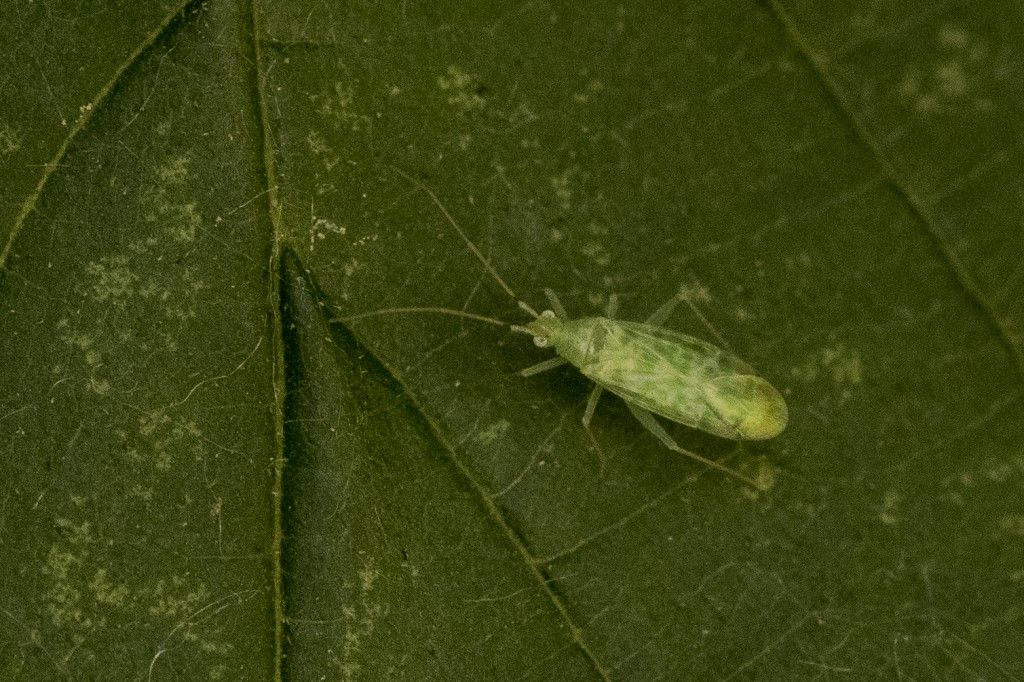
(556, 305)
(705, 321)
(550, 363)
(659, 316)
(613, 307)
(648, 421)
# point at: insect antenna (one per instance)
(438, 311)
(469, 242)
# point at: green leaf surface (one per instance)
(214, 470)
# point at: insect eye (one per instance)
(548, 314)
(540, 341)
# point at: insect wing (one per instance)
(665, 372)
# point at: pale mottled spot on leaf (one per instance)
(174, 172)
(176, 598)
(943, 84)
(368, 575)
(99, 386)
(317, 144)
(163, 441)
(1012, 524)
(360, 618)
(464, 90)
(143, 493)
(593, 87)
(321, 228)
(888, 510)
(97, 382)
(168, 205)
(597, 253)
(319, 147)
(338, 107)
(562, 185)
(112, 279)
(64, 561)
(952, 78)
(951, 36)
(493, 432)
(837, 362)
(107, 592)
(10, 139)
(760, 470)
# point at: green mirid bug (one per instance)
(656, 371)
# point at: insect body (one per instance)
(669, 374)
(654, 370)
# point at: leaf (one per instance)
(214, 469)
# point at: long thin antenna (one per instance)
(439, 311)
(469, 242)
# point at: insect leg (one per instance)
(700, 316)
(588, 413)
(556, 305)
(648, 421)
(659, 316)
(613, 307)
(550, 363)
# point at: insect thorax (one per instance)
(583, 342)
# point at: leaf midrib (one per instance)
(272, 205)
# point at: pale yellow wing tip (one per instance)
(768, 423)
(749, 405)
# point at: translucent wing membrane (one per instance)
(678, 377)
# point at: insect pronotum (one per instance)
(654, 370)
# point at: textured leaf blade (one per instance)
(137, 394)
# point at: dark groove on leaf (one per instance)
(899, 187)
(170, 25)
(294, 272)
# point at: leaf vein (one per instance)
(170, 23)
(533, 565)
(916, 205)
(268, 177)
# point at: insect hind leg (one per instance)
(588, 414)
(651, 424)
